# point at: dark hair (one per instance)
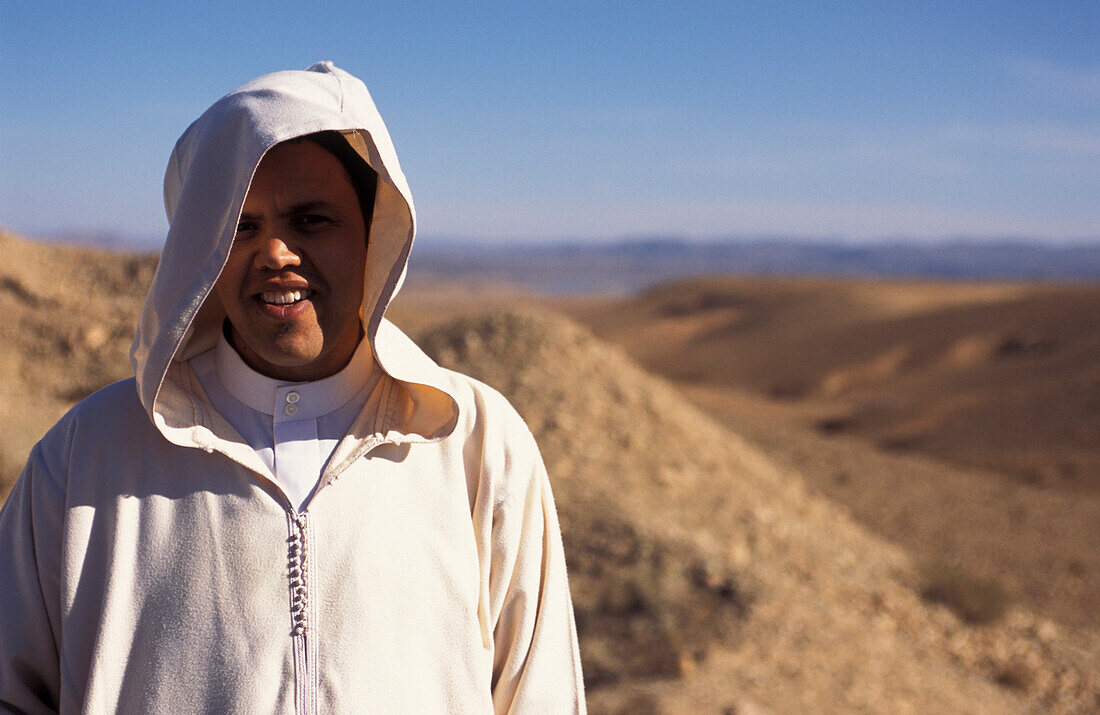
(362, 176)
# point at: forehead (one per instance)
(297, 170)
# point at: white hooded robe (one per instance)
(150, 563)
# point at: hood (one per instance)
(208, 176)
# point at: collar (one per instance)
(292, 400)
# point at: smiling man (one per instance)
(290, 508)
(293, 283)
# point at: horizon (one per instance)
(124, 242)
(855, 124)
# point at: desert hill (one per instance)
(1020, 357)
(69, 315)
(961, 420)
(692, 554)
(706, 577)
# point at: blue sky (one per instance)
(593, 121)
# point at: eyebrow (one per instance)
(298, 208)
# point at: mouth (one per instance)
(283, 298)
(285, 304)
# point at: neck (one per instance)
(328, 363)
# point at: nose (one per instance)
(276, 253)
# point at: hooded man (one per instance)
(291, 508)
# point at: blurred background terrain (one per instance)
(777, 494)
(800, 299)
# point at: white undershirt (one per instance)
(293, 426)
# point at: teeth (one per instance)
(282, 297)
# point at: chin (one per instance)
(290, 351)
(293, 358)
(296, 346)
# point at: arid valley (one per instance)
(777, 494)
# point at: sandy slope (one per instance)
(69, 316)
(1004, 376)
(793, 607)
(706, 577)
(961, 420)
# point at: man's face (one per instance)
(293, 283)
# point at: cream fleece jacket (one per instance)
(150, 563)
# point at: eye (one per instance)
(245, 226)
(314, 220)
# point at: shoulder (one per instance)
(495, 436)
(119, 399)
(102, 422)
(482, 412)
(115, 407)
(484, 408)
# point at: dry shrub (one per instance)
(646, 608)
(974, 599)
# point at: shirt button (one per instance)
(290, 409)
(292, 397)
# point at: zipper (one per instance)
(301, 614)
(303, 608)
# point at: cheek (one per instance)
(343, 268)
(228, 286)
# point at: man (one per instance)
(295, 510)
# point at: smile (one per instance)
(285, 297)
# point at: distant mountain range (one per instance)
(631, 265)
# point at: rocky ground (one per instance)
(744, 592)
(959, 420)
(69, 315)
